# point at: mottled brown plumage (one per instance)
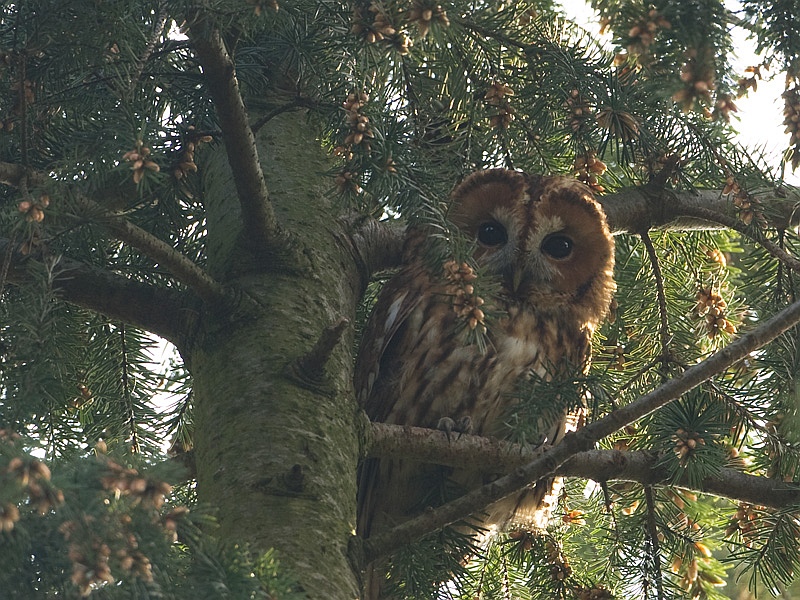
(546, 243)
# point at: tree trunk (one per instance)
(276, 445)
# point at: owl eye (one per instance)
(492, 233)
(557, 246)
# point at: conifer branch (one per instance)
(258, 218)
(583, 439)
(377, 244)
(158, 310)
(493, 456)
(752, 233)
(184, 270)
(636, 209)
(179, 265)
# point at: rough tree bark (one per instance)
(276, 436)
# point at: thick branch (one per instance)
(258, 217)
(634, 210)
(158, 310)
(584, 439)
(497, 456)
(13, 175)
(375, 245)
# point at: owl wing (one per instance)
(379, 344)
(382, 345)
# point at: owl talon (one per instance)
(448, 425)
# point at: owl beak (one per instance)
(517, 277)
(521, 276)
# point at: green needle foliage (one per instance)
(121, 220)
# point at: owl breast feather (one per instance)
(438, 374)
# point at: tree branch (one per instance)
(753, 233)
(375, 245)
(583, 439)
(184, 270)
(158, 310)
(180, 266)
(258, 218)
(491, 455)
(637, 209)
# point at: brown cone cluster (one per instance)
(374, 25)
(791, 118)
(697, 75)
(498, 96)
(713, 307)
(425, 13)
(140, 161)
(587, 168)
(466, 303)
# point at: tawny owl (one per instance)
(545, 243)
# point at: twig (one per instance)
(583, 439)
(23, 108)
(660, 295)
(138, 69)
(652, 536)
(639, 372)
(179, 265)
(126, 391)
(490, 33)
(6, 264)
(258, 218)
(754, 234)
(298, 102)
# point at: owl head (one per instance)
(545, 238)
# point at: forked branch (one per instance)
(180, 266)
(792, 262)
(495, 456)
